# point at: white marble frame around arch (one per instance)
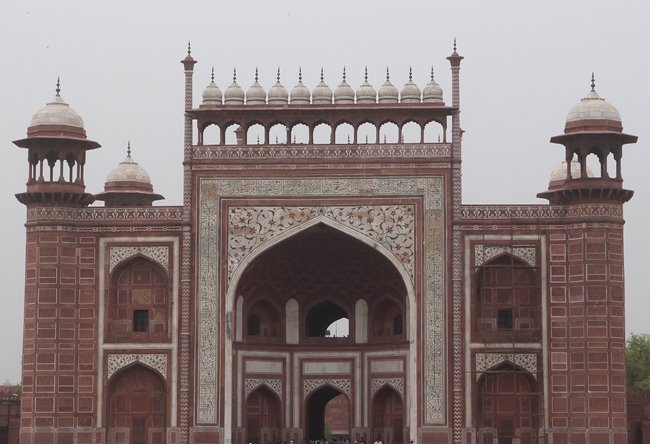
(231, 295)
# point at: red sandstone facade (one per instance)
(207, 322)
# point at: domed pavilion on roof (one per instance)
(322, 273)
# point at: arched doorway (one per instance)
(307, 283)
(328, 414)
(388, 416)
(507, 405)
(263, 416)
(137, 407)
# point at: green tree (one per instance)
(637, 360)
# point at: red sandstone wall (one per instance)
(60, 338)
(587, 335)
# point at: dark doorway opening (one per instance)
(317, 427)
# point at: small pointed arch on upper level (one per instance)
(434, 132)
(389, 132)
(322, 132)
(299, 132)
(344, 133)
(233, 133)
(278, 133)
(209, 133)
(367, 132)
(412, 132)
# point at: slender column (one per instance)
(185, 338)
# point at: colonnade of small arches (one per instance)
(256, 133)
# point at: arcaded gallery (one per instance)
(322, 277)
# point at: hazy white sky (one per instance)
(526, 64)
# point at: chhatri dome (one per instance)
(57, 118)
(278, 94)
(388, 92)
(234, 94)
(255, 94)
(432, 93)
(344, 92)
(300, 94)
(411, 92)
(593, 113)
(212, 94)
(322, 93)
(128, 184)
(366, 93)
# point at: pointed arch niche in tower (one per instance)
(388, 424)
(507, 301)
(263, 416)
(137, 406)
(138, 306)
(316, 277)
(508, 405)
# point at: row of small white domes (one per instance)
(322, 94)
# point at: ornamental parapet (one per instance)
(409, 152)
(101, 215)
(526, 214)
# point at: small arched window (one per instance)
(253, 326)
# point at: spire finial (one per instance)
(344, 73)
(189, 47)
(212, 75)
(593, 82)
(365, 75)
(256, 76)
(278, 74)
(432, 73)
(387, 74)
(410, 73)
(128, 149)
(234, 75)
(454, 44)
(321, 74)
(300, 74)
(58, 86)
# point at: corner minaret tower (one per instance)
(56, 142)
(593, 126)
(586, 287)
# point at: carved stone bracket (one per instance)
(159, 254)
(157, 361)
(486, 361)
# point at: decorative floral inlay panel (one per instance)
(486, 361)
(483, 253)
(157, 361)
(309, 385)
(390, 225)
(396, 383)
(158, 254)
(274, 384)
(211, 328)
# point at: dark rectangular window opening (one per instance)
(504, 319)
(140, 320)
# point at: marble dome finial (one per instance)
(234, 74)
(278, 76)
(410, 73)
(189, 47)
(365, 75)
(256, 74)
(593, 82)
(321, 74)
(212, 75)
(128, 149)
(58, 86)
(300, 74)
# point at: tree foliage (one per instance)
(637, 360)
